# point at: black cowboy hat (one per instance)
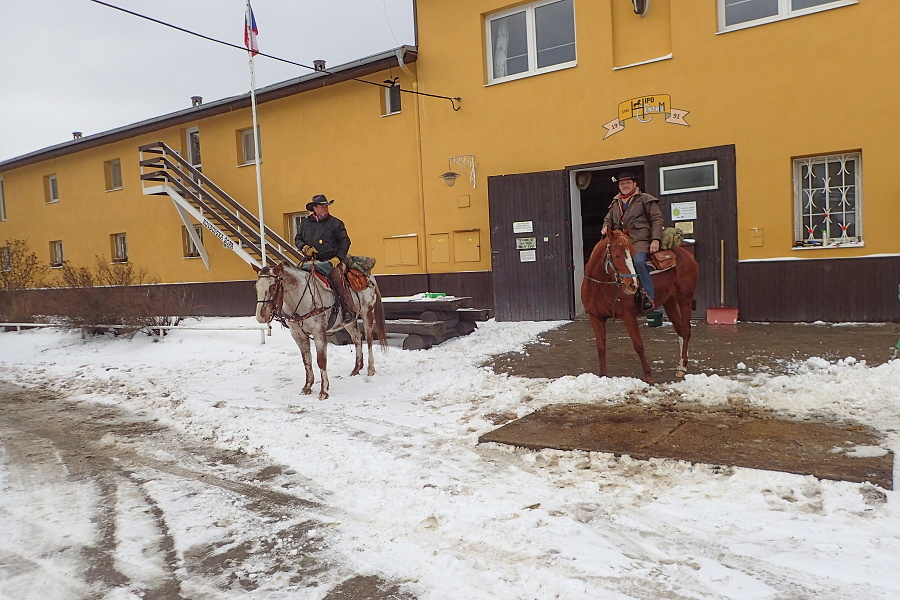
(626, 175)
(319, 200)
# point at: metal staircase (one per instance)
(197, 198)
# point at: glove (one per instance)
(308, 251)
(335, 261)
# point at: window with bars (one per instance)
(190, 248)
(56, 253)
(736, 14)
(119, 247)
(827, 200)
(531, 39)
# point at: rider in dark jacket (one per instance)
(324, 238)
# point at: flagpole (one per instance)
(259, 194)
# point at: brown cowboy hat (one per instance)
(319, 200)
(626, 175)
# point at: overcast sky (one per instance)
(75, 65)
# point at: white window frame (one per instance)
(389, 108)
(784, 12)
(2, 202)
(293, 223)
(119, 244)
(190, 248)
(834, 236)
(714, 186)
(248, 154)
(531, 35)
(52, 189)
(56, 254)
(113, 174)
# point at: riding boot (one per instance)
(341, 293)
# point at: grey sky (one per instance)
(74, 65)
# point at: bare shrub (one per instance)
(20, 269)
(119, 294)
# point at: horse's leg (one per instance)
(322, 355)
(302, 341)
(679, 312)
(353, 329)
(368, 319)
(630, 321)
(598, 324)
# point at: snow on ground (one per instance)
(415, 499)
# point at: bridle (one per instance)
(618, 279)
(275, 300)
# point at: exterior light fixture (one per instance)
(640, 7)
(450, 177)
(466, 162)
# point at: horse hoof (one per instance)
(323, 396)
(370, 372)
(355, 372)
(680, 373)
(306, 391)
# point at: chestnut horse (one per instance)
(303, 302)
(609, 287)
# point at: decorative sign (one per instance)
(684, 211)
(527, 256)
(644, 109)
(523, 226)
(686, 227)
(526, 243)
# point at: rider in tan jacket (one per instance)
(640, 211)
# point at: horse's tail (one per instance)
(380, 326)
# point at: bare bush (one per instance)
(20, 269)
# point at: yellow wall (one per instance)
(821, 83)
(815, 84)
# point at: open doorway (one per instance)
(596, 189)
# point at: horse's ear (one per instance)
(255, 268)
(628, 230)
(278, 269)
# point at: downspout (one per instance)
(419, 168)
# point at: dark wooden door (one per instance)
(532, 269)
(716, 220)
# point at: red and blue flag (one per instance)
(250, 31)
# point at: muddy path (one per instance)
(99, 503)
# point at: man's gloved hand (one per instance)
(335, 261)
(308, 251)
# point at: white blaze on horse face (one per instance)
(262, 307)
(630, 283)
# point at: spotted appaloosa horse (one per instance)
(609, 287)
(302, 301)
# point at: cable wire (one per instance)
(453, 101)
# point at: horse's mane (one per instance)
(622, 239)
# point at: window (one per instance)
(292, 223)
(56, 253)
(248, 146)
(119, 247)
(5, 259)
(531, 39)
(2, 203)
(392, 99)
(827, 200)
(694, 177)
(736, 14)
(51, 189)
(113, 172)
(190, 248)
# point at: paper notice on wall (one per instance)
(523, 226)
(527, 256)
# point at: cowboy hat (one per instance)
(319, 200)
(626, 175)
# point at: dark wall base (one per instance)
(860, 290)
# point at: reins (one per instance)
(277, 301)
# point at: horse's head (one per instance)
(619, 261)
(268, 284)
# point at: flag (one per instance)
(250, 31)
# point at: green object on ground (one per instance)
(654, 318)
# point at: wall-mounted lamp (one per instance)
(466, 163)
(640, 7)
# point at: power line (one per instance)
(453, 101)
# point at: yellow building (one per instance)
(764, 127)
